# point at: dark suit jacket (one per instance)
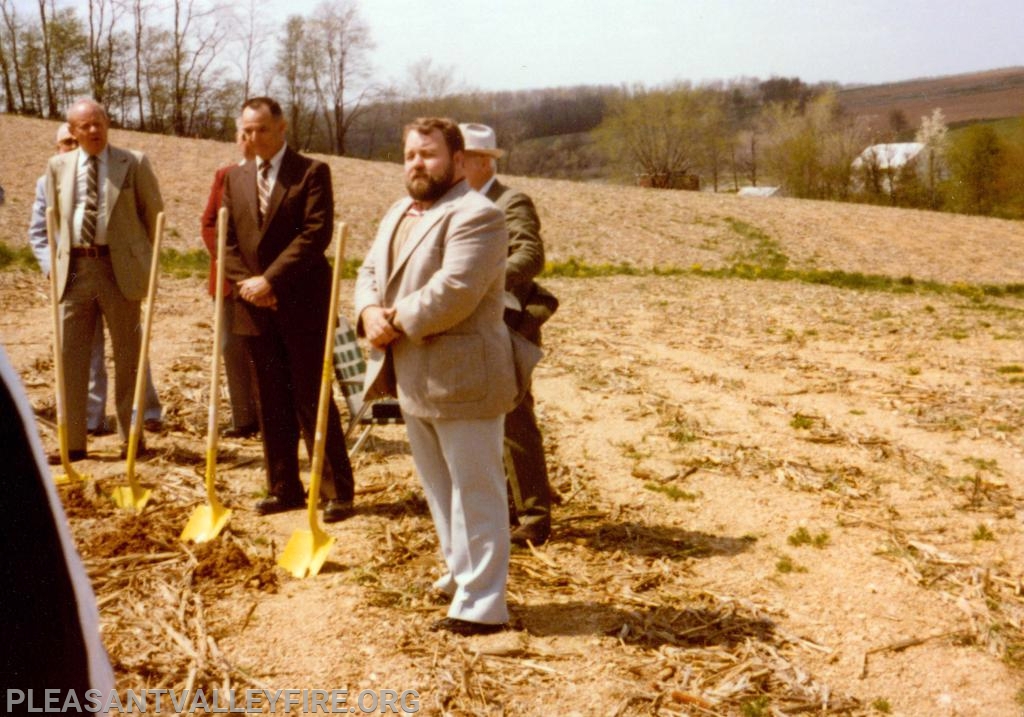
(288, 250)
(525, 261)
(525, 248)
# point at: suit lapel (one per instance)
(67, 189)
(431, 217)
(117, 170)
(426, 223)
(277, 192)
(247, 193)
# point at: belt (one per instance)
(91, 251)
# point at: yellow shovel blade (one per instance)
(132, 497)
(306, 552)
(206, 523)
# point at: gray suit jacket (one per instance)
(132, 203)
(455, 359)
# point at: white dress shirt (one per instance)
(81, 192)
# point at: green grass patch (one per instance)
(983, 532)
(1012, 368)
(20, 257)
(671, 491)
(785, 565)
(882, 706)
(802, 536)
(801, 422)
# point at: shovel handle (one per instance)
(326, 377)
(147, 327)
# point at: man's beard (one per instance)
(424, 188)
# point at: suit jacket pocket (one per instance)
(456, 368)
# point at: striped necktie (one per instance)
(88, 234)
(263, 184)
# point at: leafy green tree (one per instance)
(977, 163)
(657, 132)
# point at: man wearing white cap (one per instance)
(527, 306)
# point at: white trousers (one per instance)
(460, 463)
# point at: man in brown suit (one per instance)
(280, 218)
(527, 306)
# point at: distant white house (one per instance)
(759, 192)
(882, 164)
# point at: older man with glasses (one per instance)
(96, 408)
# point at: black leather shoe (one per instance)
(153, 425)
(536, 533)
(272, 504)
(465, 627)
(337, 510)
(102, 430)
(247, 431)
(74, 455)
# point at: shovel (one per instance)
(69, 473)
(307, 550)
(133, 496)
(208, 520)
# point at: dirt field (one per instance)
(775, 497)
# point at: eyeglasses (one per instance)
(68, 142)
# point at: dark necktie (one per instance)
(263, 184)
(88, 235)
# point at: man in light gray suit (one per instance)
(429, 298)
(107, 200)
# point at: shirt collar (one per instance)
(488, 184)
(275, 161)
(83, 156)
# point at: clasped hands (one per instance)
(258, 292)
(379, 325)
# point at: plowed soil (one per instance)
(774, 497)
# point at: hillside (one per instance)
(589, 222)
(973, 96)
(773, 498)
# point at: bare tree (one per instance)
(103, 16)
(252, 36)
(138, 8)
(339, 66)
(51, 96)
(292, 70)
(195, 40)
(9, 58)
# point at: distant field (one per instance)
(992, 94)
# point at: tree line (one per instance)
(184, 67)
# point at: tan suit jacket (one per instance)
(132, 203)
(455, 359)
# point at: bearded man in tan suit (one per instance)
(429, 297)
(107, 201)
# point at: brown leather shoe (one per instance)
(467, 628)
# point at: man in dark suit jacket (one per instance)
(275, 257)
(527, 306)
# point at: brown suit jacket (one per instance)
(288, 249)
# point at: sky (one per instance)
(494, 45)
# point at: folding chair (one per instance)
(350, 370)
